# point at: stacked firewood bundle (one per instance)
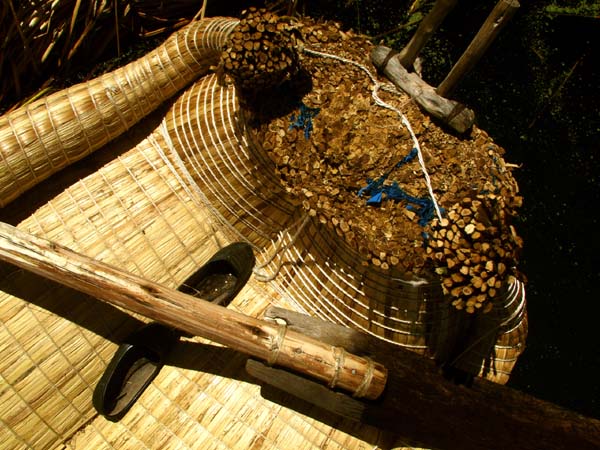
(262, 51)
(475, 251)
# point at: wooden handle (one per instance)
(268, 341)
(500, 15)
(428, 25)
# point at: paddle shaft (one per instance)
(265, 340)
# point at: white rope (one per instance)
(375, 94)
(280, 248)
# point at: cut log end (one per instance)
(262, 51)
(480, 252)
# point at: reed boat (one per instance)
(152, 168)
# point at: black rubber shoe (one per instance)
(133, 367)
(139, 359)
(223, 276)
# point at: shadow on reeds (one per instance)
(279, 101)
(26, 204)
(83, 310)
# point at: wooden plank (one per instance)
(314, 393)
(352, 340)
(449, 112)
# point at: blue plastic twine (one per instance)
(375, 189)
(304, 119)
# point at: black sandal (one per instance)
(134, 365)
(139, 359)
(223, 276)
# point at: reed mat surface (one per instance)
(211, 150)
(56, 342)
(160, 208)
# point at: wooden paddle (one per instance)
(267, 340)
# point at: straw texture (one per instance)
(55, 342)
(211, 151)
(162, 209)
(43, 137)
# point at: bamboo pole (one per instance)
(268, 341)
(427, 27)
(490, 29)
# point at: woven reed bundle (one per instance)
(211, 151)
(55, 342)
(43, 137)
(45, 40)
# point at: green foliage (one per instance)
(584, 8)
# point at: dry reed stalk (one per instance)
(46, 40)
(158, 16)
(46, 31)
(41, 138)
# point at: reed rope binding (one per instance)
(339, 353)
(366, 382)
(280, 248)
(278, 340)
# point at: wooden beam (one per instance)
(449, 112)
(426, 28)
(498, 18)
(425, 409)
